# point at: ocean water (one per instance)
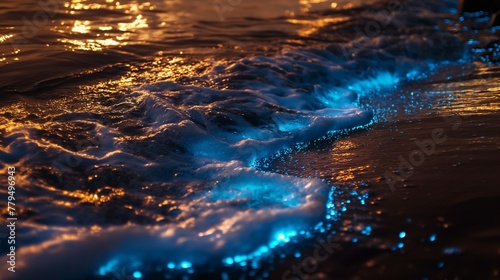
(142, 132)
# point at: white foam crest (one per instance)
(210, 225)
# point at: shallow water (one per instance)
(142, 132)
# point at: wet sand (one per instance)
(448, 206)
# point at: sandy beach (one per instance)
(447, 205)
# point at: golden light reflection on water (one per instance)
(4, 38)
(312, 26)
(164, 67)
(77, 197)
(139, 22)
(81, 26)
(478, 96)
(101, 25)
(315, 5)
(135, 6)
(104, 32)
(306, 5)
(344, 153)
(90, 44)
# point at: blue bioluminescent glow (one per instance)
(382, 80)
(280, 238)
(367, 230)
(240, 258)
(432, 238)
(257, 190)
(262, 250)
(181, 265)
(185, 265)
(287, 123)
(137, 274)
(451, 250)
(108, 268)
(412, 75)
(180, 154)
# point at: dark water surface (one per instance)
(221, 139)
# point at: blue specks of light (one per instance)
(332, 211)
(137, 275)
(109, 267)
(432, 238)
(240, 258)
(451, 250)
(185, 264)
(440, 265)
(262, 250)
(255, 264)
(401, 245)
(290, 234)
(367, 230)
(280, 237)
(362, 198)
(473, 42)
(283, 237)
(402, 234)
(228, 261)
(181, 265)
(318, 226)
(412, 74)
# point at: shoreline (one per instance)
(445, 205)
